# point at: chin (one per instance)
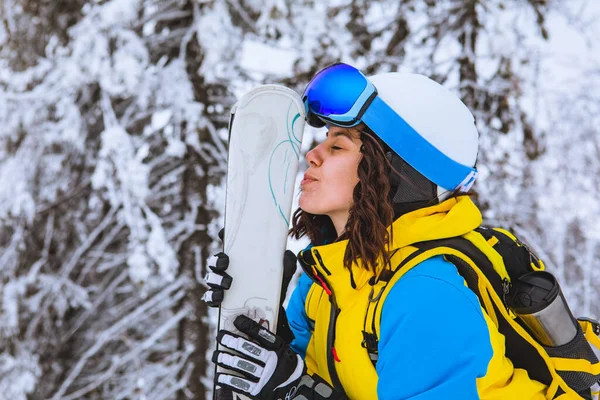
(309, 208)
(316, 205)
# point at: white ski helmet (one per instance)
(436, 114)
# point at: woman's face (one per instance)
(329, 181)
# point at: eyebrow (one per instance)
(341, 133)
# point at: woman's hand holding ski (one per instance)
(217, 279)
(270, 369)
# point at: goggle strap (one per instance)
(468, 182)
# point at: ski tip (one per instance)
(270, 89)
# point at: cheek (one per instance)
(344, 182)
(349, 177)
(346, 186)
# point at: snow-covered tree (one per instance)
(113, 118)
(568, 182)
(112, 140)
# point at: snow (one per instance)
(18, 201)
(160, 119)
(175, 148)
(216, 31)
(264, 59)
(128, 64)
(19, 375)
(159, 249)
(10, 307)
(139, 265)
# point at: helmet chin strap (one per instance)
(409, 189)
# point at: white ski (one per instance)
(265, 133)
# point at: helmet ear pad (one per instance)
(409, 189)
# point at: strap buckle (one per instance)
(595, 324)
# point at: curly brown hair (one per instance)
(370, 215)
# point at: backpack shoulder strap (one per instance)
(453, 249)
(379, 290)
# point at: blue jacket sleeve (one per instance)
(297, 318)
(434, 341)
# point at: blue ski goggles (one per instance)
(341, 95)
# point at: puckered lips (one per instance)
(308, 178)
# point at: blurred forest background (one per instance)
(113, 128)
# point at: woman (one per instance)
(393, 171)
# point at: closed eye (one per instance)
(336, 148)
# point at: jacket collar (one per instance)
(451, 218)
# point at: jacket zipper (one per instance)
(335, 311)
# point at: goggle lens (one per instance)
(334, 90)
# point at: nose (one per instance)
(314, 157)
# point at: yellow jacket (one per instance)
(336, 306)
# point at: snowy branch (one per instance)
(107, 335)
(68, 267)
(108, 291)
(119, 361)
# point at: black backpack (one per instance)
(493, 259)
